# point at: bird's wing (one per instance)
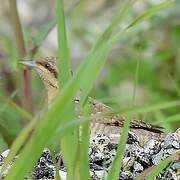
(112, 125)
(118, 120)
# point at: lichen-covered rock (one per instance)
(101, 155)
(126, 175)
(4, 172)
(171, 172)
(44, 168)
(101, 152)
(152, 147)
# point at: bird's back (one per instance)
(112, 125)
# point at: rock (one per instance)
(172, 141)
(172, 171)
(128, 162)
(127, 175)
(97, 175)
(132, 138)
(44, 168)
(152, 147)
(168, 147)
(101, 152)
(138, 167)
(63, 175)
(2, 157)
(5, 153)
(101, 155)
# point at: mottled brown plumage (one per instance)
(111, 125)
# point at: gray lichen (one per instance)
(101, 155)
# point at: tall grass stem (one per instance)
(18, 33)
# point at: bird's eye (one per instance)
(47, 65)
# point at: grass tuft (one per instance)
(61, 121)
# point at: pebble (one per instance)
(152, 147)
(138, 167)
(126, 175)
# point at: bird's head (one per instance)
(48, 71)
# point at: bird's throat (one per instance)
(52, 91)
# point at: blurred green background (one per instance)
(155, 45)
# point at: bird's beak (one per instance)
(30, 64)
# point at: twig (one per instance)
(17, 28)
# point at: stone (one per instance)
(127, 175)
(101, 155)
(152, 147)
(44, 168)
(138, 167)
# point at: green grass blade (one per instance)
(107, 32)
(150, 12)
(47, 126)
(145, 109)
(147, 14)
(173, 118)
(51, 121)
(175, 85)
(63, 49)
(6, 135)
(43, 32)
(84, 144)
(18, 142)
(25, 134)
(159, 116)
(101, 49)
(99, 52)
(22, 112)
(94, 69)
(62, 130)
(68, 141)
(136, 82)
(8, 103)
(117, 163)
(64, 76)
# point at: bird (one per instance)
(110, 125)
